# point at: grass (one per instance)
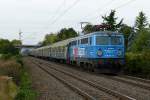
(25, 92)
(8, 89)
(12, 66)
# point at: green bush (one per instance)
(138, 64)
(7, 47)
(10, 68)
(142, 41)
(25, 92)
(6, 56)
(18, 59)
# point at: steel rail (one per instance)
(147, 87)
(137, 78)
(74, 88)
(99, 87)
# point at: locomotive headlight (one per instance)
(99, 52)
(120, 52)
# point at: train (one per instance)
(102, 51)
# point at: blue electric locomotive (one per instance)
(103, 51)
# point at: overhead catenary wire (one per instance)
(118, 7)
(61, 14)
(100, 8)
(65, 11)
(73, 4)
(76, 2)
(57, 11)
(125, 4)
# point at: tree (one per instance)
(141, 21)
(16, 42)
(88, 29)
(49, 39)
(111, 21)
(66, 33)
(126, 30)
(7, 47)
(61, 35)
(142, 41)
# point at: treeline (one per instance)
(138, 56)
(63, 34)
(11, 65)
(110, 23)
(137, 37)
(8, 47)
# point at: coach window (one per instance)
(51, 50)
(84, 41)
(61, 49)
(56, 49)
(72, 43)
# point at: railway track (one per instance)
(137, 79)
(138, 82)
(133, 82)
(85, 95)
(97, 86)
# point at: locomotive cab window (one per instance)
(102, 40)
(116, 40)
(84, 41)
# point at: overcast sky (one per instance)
(35, 18)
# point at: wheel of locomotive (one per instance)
(90, 67)
(95, 69)
(81, 66)
(87, 66)
(84, 66)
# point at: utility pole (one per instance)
(83, 23)
(20, 34)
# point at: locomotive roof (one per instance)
(104, 32)
(99, 33)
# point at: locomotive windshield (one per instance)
(116, 40)
(106, 40)
(102, 40)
